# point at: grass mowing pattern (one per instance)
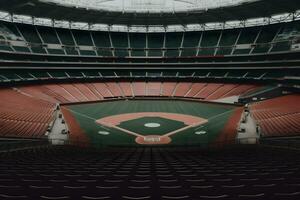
(86, 114)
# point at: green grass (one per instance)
(166, 125)
(86, 114)
(213, 128)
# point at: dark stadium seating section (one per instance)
(150, 173)
(55, 41)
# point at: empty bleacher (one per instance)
(222, 91)
(208, 90)
(278, 117)
(126, 87)
(85, 92)
(114, 88)
(58, 41)
(154, 88)
(102, 89)
(139, 88)
(182, 89)
(195, 89)
(24, 116)
(168, 88)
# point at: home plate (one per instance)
(200, 132)
(153, 139)
(103, 133)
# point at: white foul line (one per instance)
(86, 116)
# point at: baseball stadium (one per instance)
(150, 99)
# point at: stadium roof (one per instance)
(167, 12)
(142, 6)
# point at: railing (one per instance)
(227, 143)
(196, 48)
(7, 145)
(285, 142)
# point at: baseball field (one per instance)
(151, 122)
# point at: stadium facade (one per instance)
(179, 97)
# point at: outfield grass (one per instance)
(86, 114)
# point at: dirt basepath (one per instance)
(115, 120)
(118, 119)
(153, 140)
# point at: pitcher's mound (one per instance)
(152, 125)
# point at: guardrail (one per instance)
(284, 143)
(187, 144)
(7, 145)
